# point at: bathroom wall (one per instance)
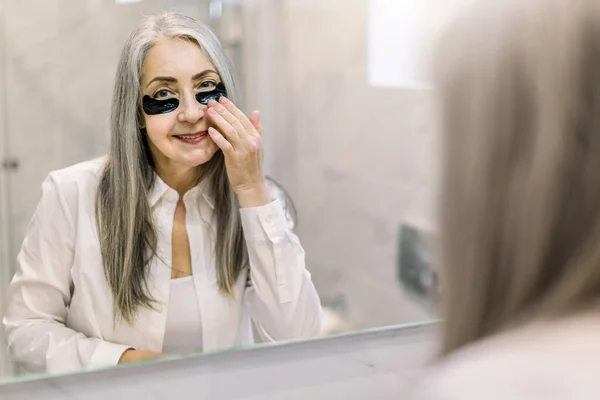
(365, 162)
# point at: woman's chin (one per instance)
(196, 160)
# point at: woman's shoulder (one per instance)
(531, 363)
(472, 374)
(76, 182)
(85, 170)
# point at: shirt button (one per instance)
(269, 219)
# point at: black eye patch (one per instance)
(154, 107)
(205, 97)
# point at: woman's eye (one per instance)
(163, 94)
(207, 86)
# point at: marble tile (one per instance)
(365, 162)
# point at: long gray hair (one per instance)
(520, 90)
(128, 237)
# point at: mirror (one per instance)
(350, 149)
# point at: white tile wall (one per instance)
(364, 161)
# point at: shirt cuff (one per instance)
(107, 354)
(264, 223)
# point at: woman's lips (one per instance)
(192, 138)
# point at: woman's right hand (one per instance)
(132, 355)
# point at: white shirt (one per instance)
(60, 310)
(183, 331)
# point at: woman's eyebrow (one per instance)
(170, 79)
(203, 74)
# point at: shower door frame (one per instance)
(6, 270)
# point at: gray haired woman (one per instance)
(519, 85)
(172, 243)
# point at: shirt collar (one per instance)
(160, 189)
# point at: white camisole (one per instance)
(183, 332)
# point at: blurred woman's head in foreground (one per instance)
(519, 84)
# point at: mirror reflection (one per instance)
(213, 175)
(172, 243)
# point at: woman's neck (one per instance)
(179, 178)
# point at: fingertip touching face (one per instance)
(177, 82)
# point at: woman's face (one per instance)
(176, 70)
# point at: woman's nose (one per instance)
(191, 110)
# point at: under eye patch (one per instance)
(153, 106)
(205, 97)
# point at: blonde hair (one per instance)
(126, 231)
(519, 85)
